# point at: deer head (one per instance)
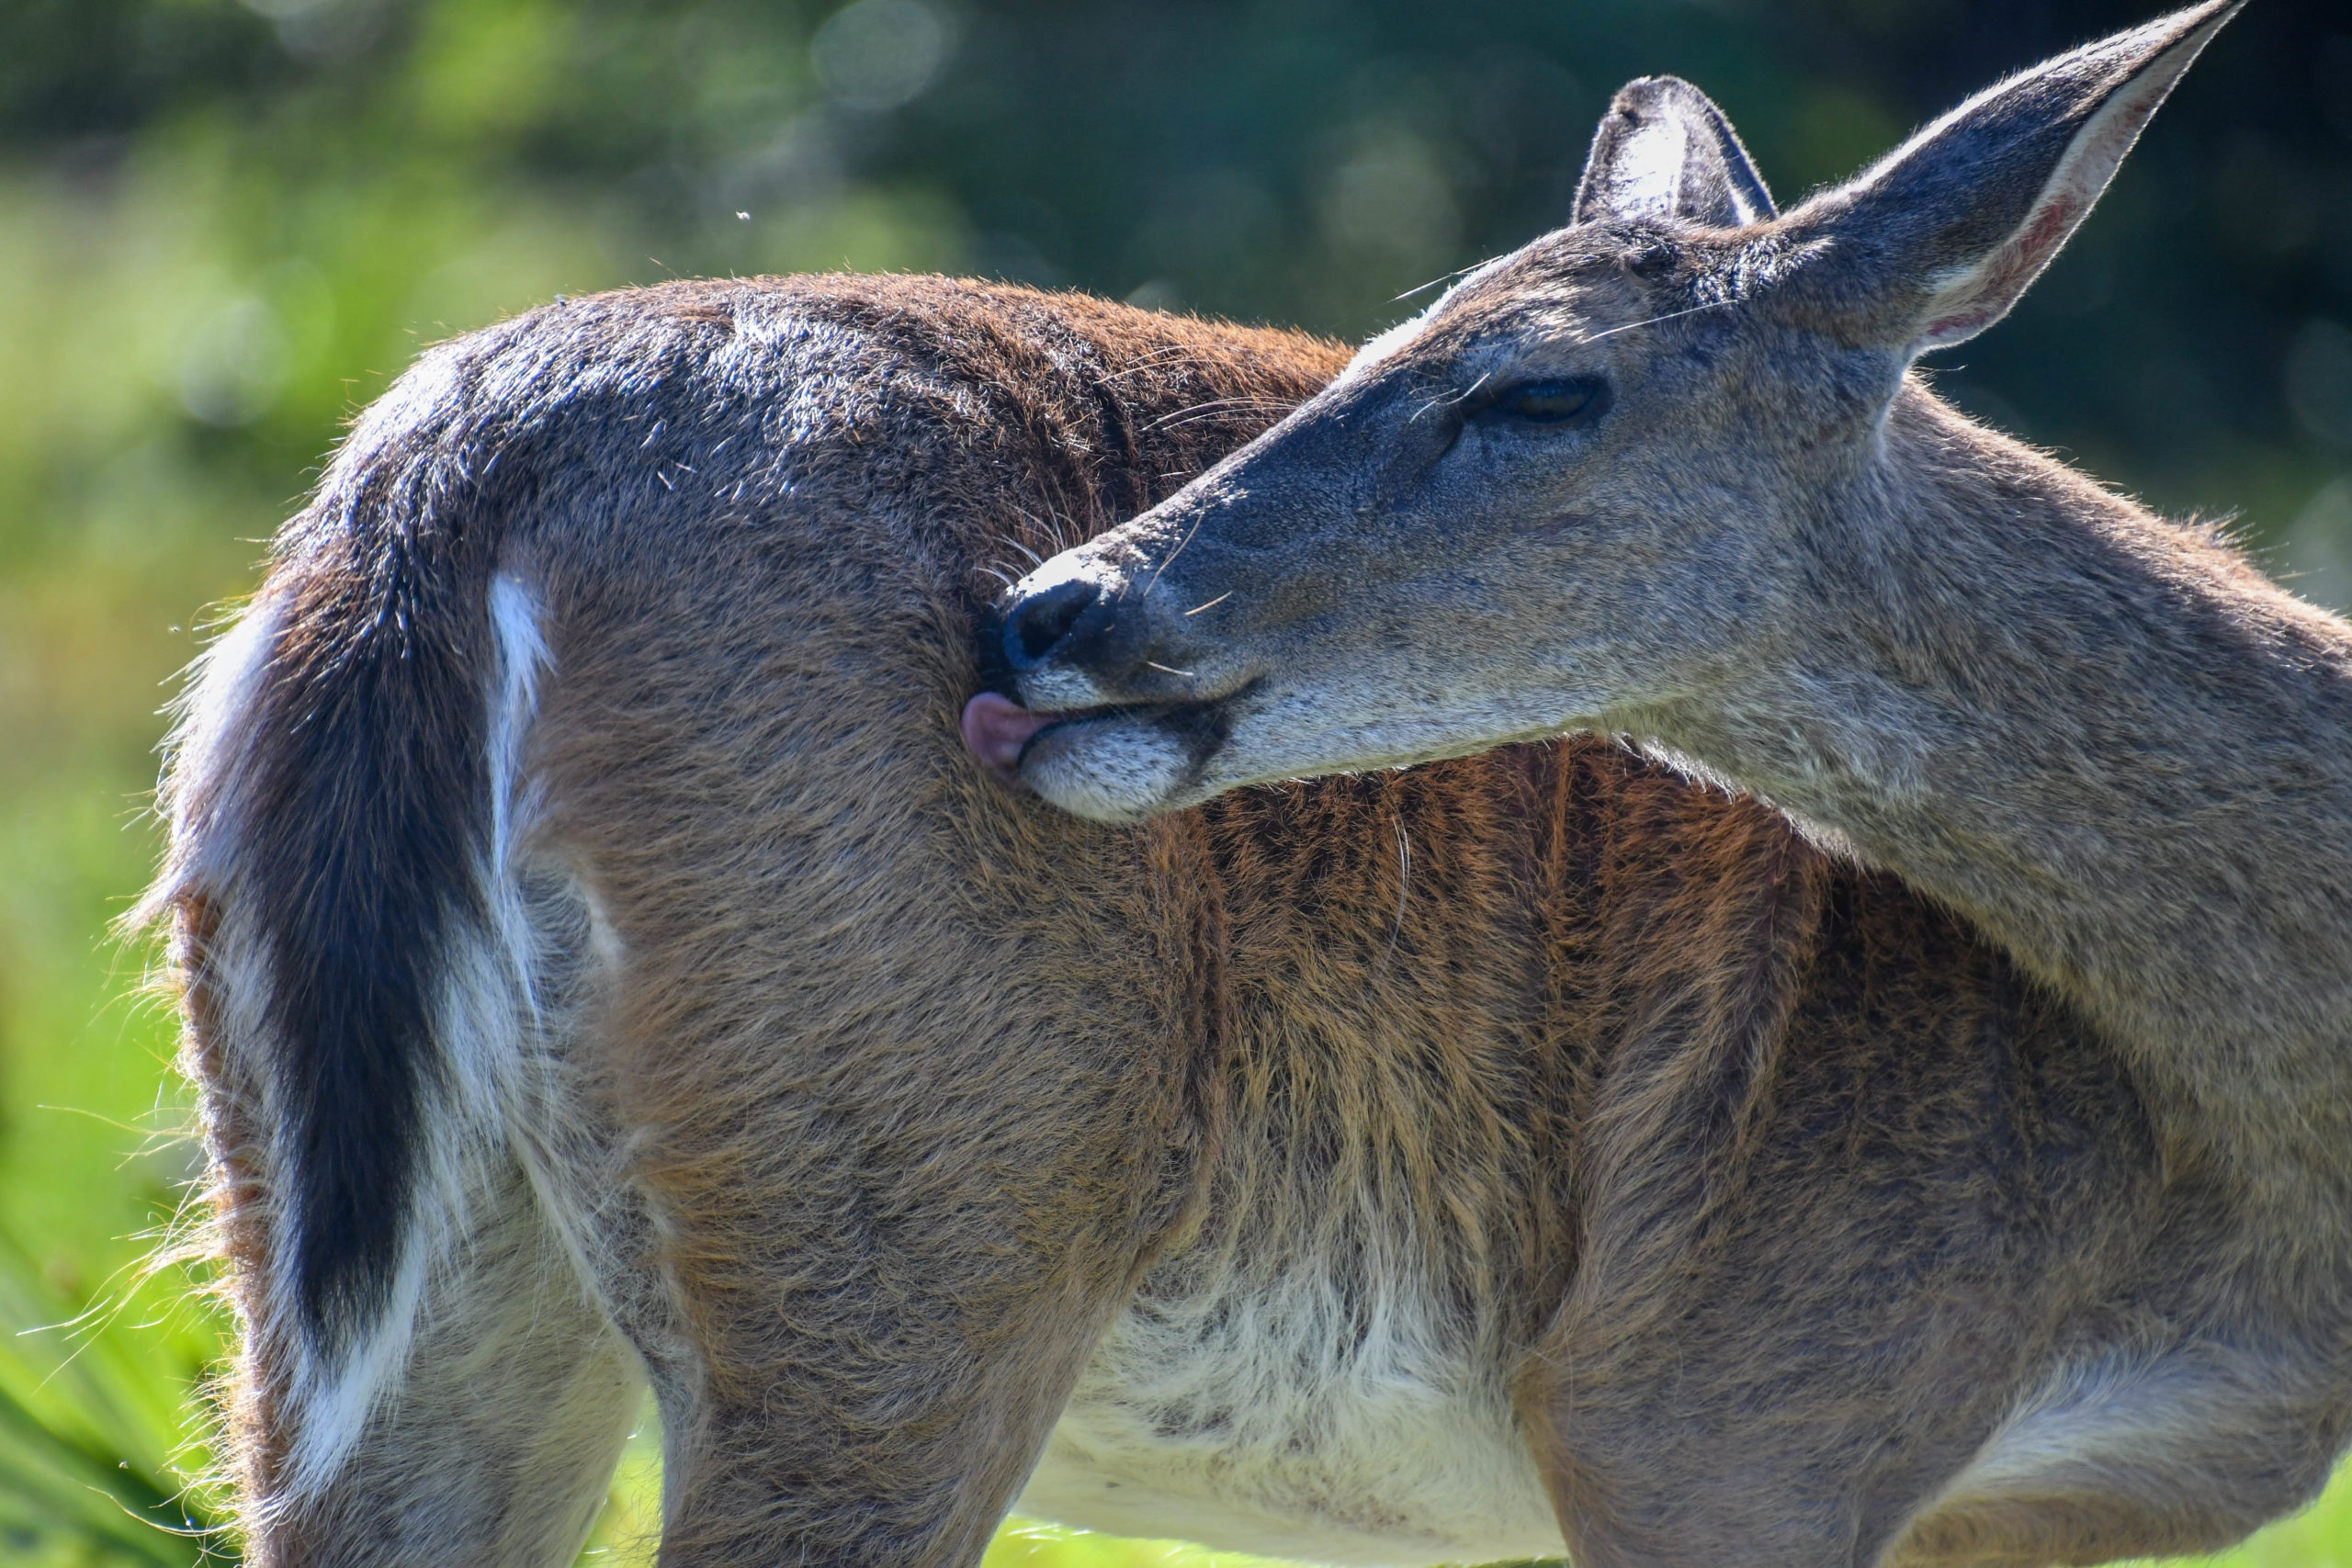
(1598, 484)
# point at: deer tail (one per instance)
(343, 800)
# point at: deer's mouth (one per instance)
(1114, 763)
(999, 731)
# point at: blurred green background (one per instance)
(226, 224)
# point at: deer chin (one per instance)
(1110, 763)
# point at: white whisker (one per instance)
(1670, 315)
(1198, 412)
(1161, 570)
(1464, 395)
(1442, 277)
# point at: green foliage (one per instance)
(225, 224)
(90, 1423)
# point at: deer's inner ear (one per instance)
(1666, 154)
(1934, 244)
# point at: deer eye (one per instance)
(1579, 400)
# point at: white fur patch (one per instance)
(1647, 174)
(204, 750)
(330, 1401)
(522, 655)
(1272, 1413)
(513, 804)
(2117, 1412)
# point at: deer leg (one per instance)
(878, 1370)
(1774, 1402)
(2143, 1455)
(494, 1440)
(888, 1281)
(1692, 1448)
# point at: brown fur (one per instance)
(2066, 1275)
(1726, 1154)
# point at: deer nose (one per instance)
(1039, 624)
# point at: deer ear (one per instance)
(1936, 241)
(1665, 151)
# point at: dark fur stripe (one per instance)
(369, 811)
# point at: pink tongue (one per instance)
(995, 729)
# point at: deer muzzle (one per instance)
(1109, 714)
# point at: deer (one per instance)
(1599, 929)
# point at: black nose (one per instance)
(1033, 627)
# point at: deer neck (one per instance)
(2101, 736)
